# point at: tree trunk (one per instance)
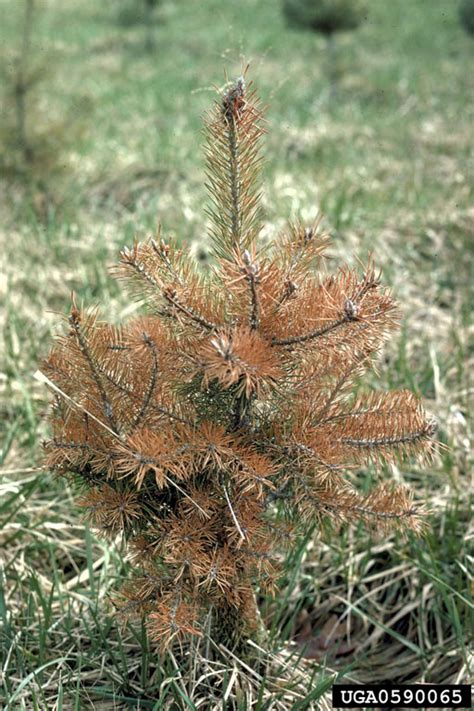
(332, 59)
(233, 626)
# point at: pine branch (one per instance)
(140, 261)
(312, 334)
(162, 250)
(172, 298)
(356, 363)
(312, 460)
(342, 308)
(390, 441)
(151, 385)
(75, 321)
(298, 247)
(233, 134)
(251, 274)
(146, 403)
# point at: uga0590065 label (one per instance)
(413, 696)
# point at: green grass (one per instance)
(390, 162)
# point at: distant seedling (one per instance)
(466, 15)
(328, 17)
(139, 12)
(219, 428)
(34, 146)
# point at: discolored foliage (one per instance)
(212, 432)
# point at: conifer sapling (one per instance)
(220, 426)
(329, 18)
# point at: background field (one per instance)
(389, 160)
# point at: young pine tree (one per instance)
(219, 427)
(35, 144)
